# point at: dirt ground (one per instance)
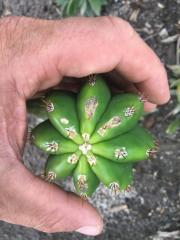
(152, 210)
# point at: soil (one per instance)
(151, 210)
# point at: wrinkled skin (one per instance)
(35, 55)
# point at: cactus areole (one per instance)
(93, 137)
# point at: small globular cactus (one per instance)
(93, 137)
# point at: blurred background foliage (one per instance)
(81, 7)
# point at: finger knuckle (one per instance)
(61, 220)
(55, 222)
(120, 25)
(48, 222)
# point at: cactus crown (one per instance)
(93, 137)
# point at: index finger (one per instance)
(102, 44)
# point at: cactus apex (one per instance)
(85, 148)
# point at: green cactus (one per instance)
(93, 137)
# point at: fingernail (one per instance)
(89, 230)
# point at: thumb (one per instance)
(31, 202)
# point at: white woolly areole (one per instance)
(52, 146)
(120, 153)
(72, 159)
(91, 160)
(85, 148)
(64, 121)
(86, 137)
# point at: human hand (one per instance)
(34, 56)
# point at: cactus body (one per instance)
(93, 137)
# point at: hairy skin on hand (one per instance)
(34, 55)
(25, 44)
